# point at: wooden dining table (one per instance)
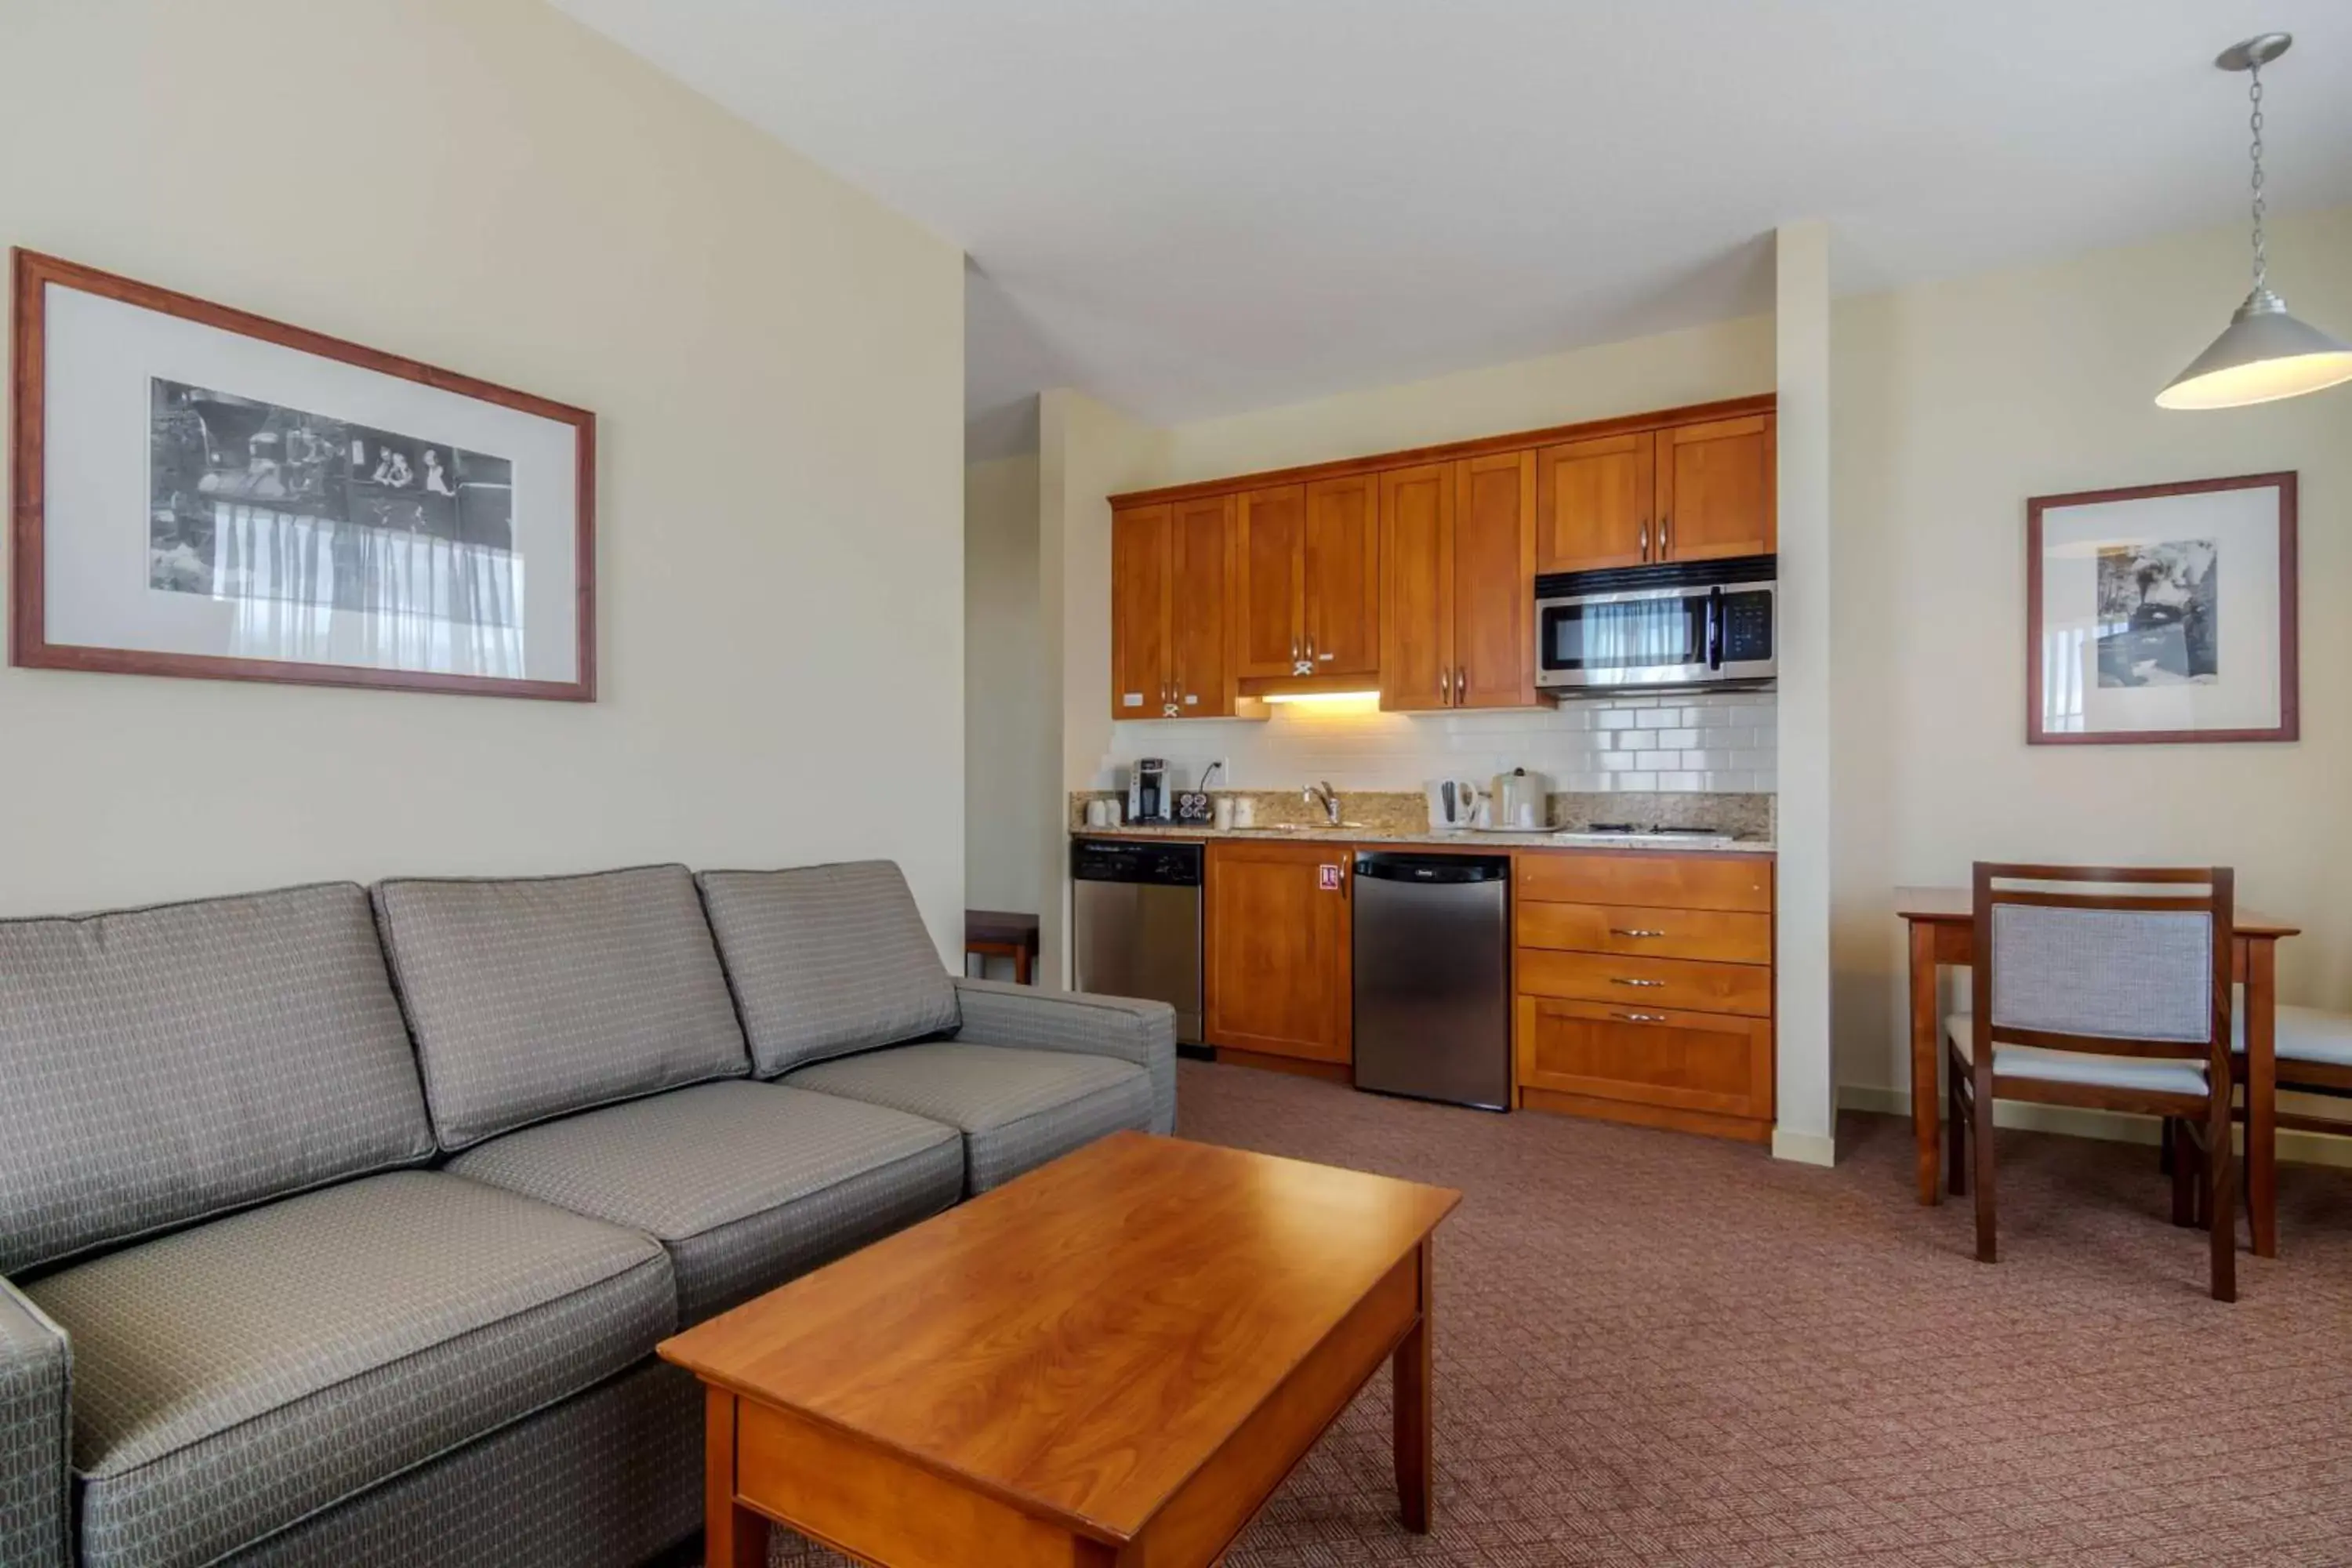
(1942, 926)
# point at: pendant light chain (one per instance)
(2262, 257)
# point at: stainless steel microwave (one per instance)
(1678, 626)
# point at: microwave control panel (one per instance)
(1746, 627)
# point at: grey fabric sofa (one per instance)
(340, 1231)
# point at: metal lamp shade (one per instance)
(2263, 355)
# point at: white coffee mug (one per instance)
(1244, 812)
(1097, 813)
(1224, 813)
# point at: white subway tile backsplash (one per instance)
(1720, 742)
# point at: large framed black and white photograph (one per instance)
(2163, 614)
(204, 492)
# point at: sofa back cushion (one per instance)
(827, 959)
(159, 1066)
(533, 996)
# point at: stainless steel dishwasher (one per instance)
(1433, 966)
(1136, 910)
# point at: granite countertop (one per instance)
(1194, 833)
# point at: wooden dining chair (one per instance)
(2313, 1048)
(2106, 1000)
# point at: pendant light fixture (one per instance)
(2264, 354)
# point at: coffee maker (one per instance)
(1148, 800)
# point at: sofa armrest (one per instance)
(36, 1436)
(1144, 1032)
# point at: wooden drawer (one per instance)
(1708, 934)
(1699, 1062)
(1649, 879)
(1647, 984)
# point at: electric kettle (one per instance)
(1452, 805)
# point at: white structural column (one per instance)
(1806, 1092)
(1086, 452)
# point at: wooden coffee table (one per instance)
(1115, 1358)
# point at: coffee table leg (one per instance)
(1414, 1447)
(732, 1535)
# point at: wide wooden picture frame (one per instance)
(201, 491)
(2163, 615)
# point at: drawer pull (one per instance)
(1641, 1017)
(1622, 930)
(1645, 985)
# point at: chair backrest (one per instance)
(2139, 967)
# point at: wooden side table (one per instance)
(1003, 934)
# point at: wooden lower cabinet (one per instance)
(1276, 945)
(1703, 1072)
(1644, 987)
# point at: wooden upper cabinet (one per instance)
(1141, 684)
(1269, 567)
(1494, 581)
(1457, 565)
(1275, 953)
(1594, 503)
(1200, 541)
(1716, 490)
(1341, 602)
(1417, 594)
(1168, 645)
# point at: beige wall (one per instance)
(1954, 403)
(776, 365)
(1008, 794)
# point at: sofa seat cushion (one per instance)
(163, 1065)
(747, 1184)
(231, 1379)
(827, 960)
(1016, 1109)
(532, 997)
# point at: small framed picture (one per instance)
(2162, 614)
(201, 491)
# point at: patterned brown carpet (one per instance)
(1654, 1349)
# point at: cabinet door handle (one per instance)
(1641, 1017)
(1446, 687)
(1461, 684)
(1645, 540)
(1632, 930)
(1643, 984)
(1666, 537)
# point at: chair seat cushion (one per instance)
(746, 1183)
(1016, 1109)
(2307, 1035)
(2152, 1074)
(232, 1379)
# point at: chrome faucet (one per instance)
(1321, 793)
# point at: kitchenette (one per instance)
(1540, 669)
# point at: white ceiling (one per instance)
(1193, 207)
